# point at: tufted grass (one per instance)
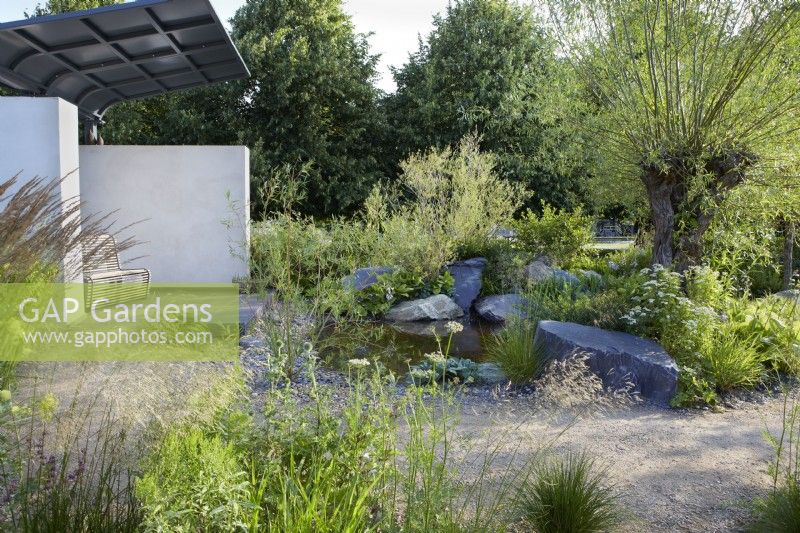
(568, 495)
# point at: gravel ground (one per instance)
(676, 470)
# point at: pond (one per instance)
(398, 345)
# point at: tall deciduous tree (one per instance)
(696, 95)
(489, 67)
(311, 97)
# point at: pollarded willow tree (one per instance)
(694, 97)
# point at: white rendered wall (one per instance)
(39, 138)
(192, 201)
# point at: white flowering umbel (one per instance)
(662, 311)
(454, 327)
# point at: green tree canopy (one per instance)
(310, 98)
(489, 67)
(52, 7)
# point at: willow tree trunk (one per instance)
(659, 193)
(788, 252)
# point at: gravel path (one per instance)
(676, 470)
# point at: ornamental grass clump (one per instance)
(43, 234)
(733, 361)
(568, 495)
(514, 350)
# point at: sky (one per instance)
(395, 25)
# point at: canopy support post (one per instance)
(91, 135)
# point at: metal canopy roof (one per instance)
(103, 56)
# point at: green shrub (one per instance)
(775, 322)
(568, 495)
(456, 199)
(514, 351)
(744, 243)
(400, 285)
(619, 263)
(193, 482)
(597, 304)
(561, 235)
(404, 243)
(704, 287)
(294, 254)
(504, 270)
(715, 353)
(661, 311)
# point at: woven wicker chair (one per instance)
(104, 278)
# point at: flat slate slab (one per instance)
(498, 308)
(617, 358)
(437, 307)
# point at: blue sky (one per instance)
(395, 24)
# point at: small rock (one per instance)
(499, 307)
(503, 233)
(467, 280)
(490, 374)
(589, 274)
(566, 276)
(792, 294)
(365, 277)
(251, 341)
(436, 307)
(539, 271)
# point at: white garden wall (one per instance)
(39, 138)
(182, 195)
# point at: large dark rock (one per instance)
(617, 358)
(437, 307)
(365, 277)
(500, 307)
(467, 281)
